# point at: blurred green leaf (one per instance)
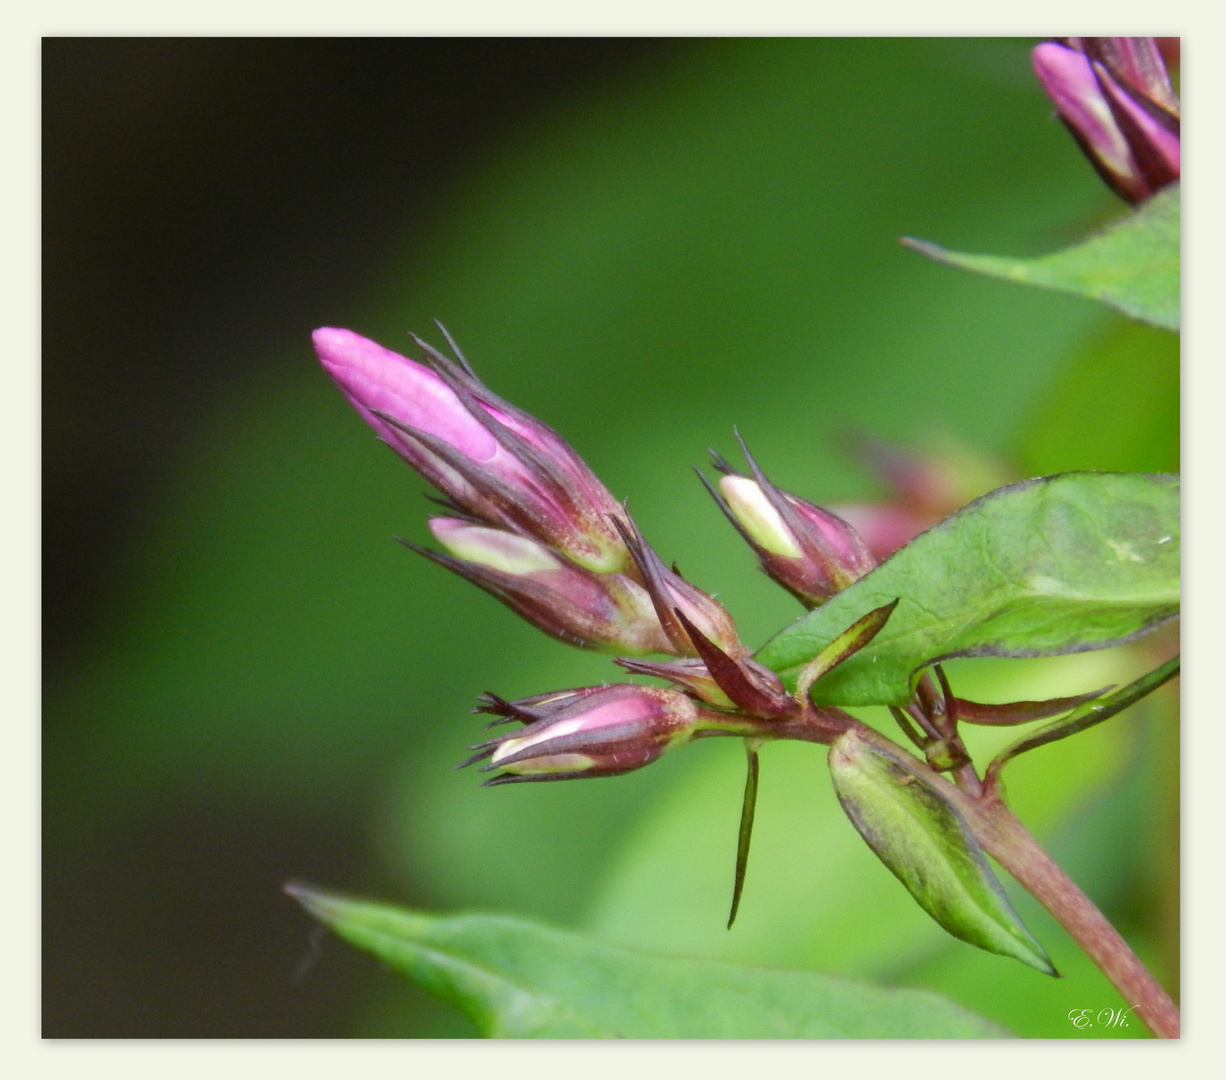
(1132, 265)
(925, 843)
(518, 979)
(1056, 565)
(1115, 407)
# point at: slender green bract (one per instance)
(1088, 714)
(926, 845)
(1056, 565)
(1132, 265)
(518, 979)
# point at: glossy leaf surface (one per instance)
(1057, 565)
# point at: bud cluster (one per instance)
(527, 521)
(1115, 97)
(530, 524)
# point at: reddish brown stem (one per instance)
(1006, 839)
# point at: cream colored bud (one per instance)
(494, 548)
(756, 515)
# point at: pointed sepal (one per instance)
(848, 643)
(745, 832)
(1085, 716)
(1018, 712)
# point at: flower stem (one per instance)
(1005, 838)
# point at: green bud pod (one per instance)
(924, 841)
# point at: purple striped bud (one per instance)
(491, 460)
(813, 553)
(1114, 96)
(600, 731)
(594, 611)
(809, 551)
(676, 601)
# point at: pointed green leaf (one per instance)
(925, 843)
(1132, 265)
(1057, 565)
(518, 979)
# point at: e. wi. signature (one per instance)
(1088, 1018)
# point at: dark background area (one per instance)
(197, 190)
(194, 188)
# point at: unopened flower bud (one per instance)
(761, 521)
(595, 611)
(672, 594)
(703, 611)
(1114, 96)
(598, 732)
(884, 526)
(809, 551)
(491, 460)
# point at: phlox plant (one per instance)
(1045, 566)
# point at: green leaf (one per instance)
(925, 843)
(1114, 406)
(1132, 265)
(519, 979)
(1056, 565)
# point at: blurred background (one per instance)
(644, 243)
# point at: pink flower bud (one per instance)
(809, 551)
(884, 526)
(599, 731)
(1114, 96)
(672, 596)
(491, 460)
(594, 611)
(927, 485)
